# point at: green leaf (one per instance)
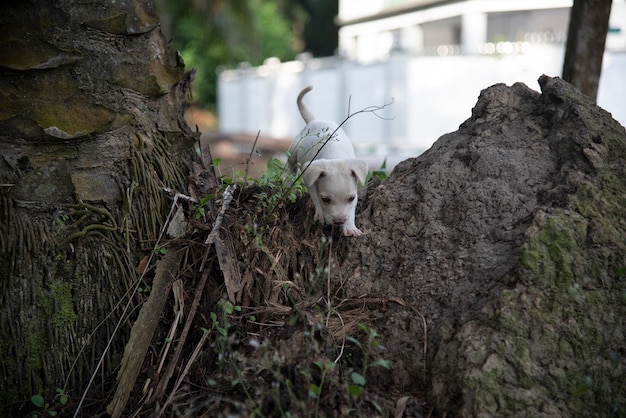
(357, 379)
(355, 390)
(38, 401)
(205, 199)
(274, 165)
(381, 362)
(222, 331)
(52, 413)
(355, 341)
(63, 398)
(314, 391)
(228, 307)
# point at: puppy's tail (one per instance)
(304, 111)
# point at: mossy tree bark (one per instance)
(91, 130)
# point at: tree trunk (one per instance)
(588, 27)
(91, 130)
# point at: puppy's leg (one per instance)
(319, 212)
(310, 176)
(349, 228)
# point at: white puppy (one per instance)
(326, 157)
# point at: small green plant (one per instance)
(276, 186)
(315, 391)
(44, 409)
(371, 344)
(145, 290)
(225, 340)
(281, 186)
(61, 219)
(200, 212)
(227, 309)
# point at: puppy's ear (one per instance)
(313, 172)
(359, 170)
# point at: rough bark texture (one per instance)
(508, 237)
(586, 37)
(91, 128)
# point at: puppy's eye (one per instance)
(351, 198)
(326, 199)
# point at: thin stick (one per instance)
(193, 357)
(185, 332)
(249, 159)
(330, 257)
(343, 339)
(227, 197)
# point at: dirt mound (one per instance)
(490, 281)
(507, 237)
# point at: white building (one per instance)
(430, 57)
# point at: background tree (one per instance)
(213, 33)
(91, 131)
(586, 37)
(315, 20)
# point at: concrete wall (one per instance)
(432, 95)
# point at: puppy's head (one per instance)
(335, 183)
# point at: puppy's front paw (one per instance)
(352, 231)
(319, 217)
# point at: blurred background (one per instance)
(422, 62)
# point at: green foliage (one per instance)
(44, 408)
(278, 186)
(200, 212)
(381, 173)
(297, 379)
(275, 187)
(160, 250)
(212, 34)
(222, 321)
(367, 349)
